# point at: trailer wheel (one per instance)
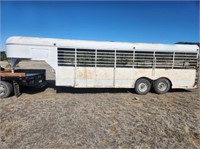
(161, 86)
(5, 89)
(142, 86)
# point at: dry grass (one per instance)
(99, 118)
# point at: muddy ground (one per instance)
(98, 118)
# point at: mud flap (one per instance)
(16, 89)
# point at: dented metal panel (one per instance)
(65, 76)
(125, 77)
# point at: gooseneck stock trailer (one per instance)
(102, 64)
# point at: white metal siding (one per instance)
(108, 64)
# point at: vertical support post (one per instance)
(133, 58)
(114, 71)
(95, 58)
(95, 65)
(173, 60)
(197, 79)
(75, 64)
(154, 63)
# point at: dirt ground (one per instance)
(59, 117)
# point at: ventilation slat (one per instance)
(123, 59)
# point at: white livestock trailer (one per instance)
(102, 64)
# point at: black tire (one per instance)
(161, 86)
(142, 86)
(6, 89)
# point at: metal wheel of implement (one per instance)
(5, 89)
(161, 86)
(142, 86)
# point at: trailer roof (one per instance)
(107, 45)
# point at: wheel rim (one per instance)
(2, 90)
(143, 87)
(162, 86)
